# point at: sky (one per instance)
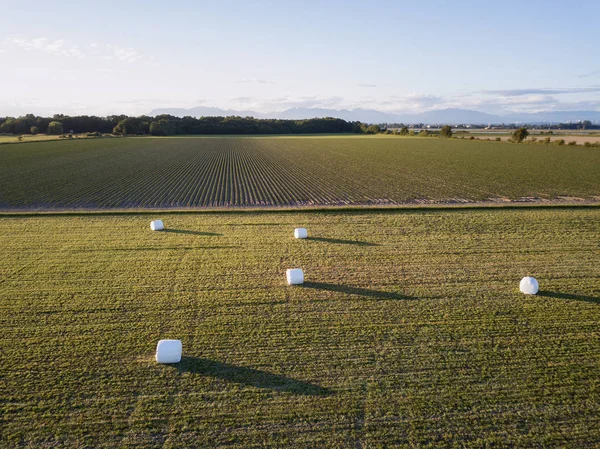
(129, 57)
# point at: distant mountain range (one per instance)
(451, 116)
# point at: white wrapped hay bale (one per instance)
(168, 351)
(295, 276)
(157, 225)
(300, 233)
(529, 285)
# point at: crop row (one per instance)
(213, 172)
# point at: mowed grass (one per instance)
(9, 138)
(288, 171)
(410, 330)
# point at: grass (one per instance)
(6, 138)
(409, 332)
(288, 171)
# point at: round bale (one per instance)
(300, 233)
(157, 225)
(168, 351)
(529, 285)
(295, 276)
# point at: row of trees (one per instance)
(445, 131)
(32, 124)
(582, 125)
(164, 125)
(167, 125)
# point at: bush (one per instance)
(55, 128)
(546, 141)
(559, 142)
(587, 144)
(34, 130)
(373, 129)
(572, 143)
(498, 139)
(472, 138)
(520, 135)
(446, 131)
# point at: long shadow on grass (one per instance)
(375, 294)
(185, 231)
(549, 294)
(249, 376)
(342, 242)
(154, 248)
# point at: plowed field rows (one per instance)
(287, 171)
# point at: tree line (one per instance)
(168, 125)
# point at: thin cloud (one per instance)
(541, 91)
(515, 104)
(422, 101)
(243, 99)
(367, 85)
(590, 74)
(116, 52)
(580, 106)
(256, 81)
(145, 101)
(126, 54)
(60, 47)
(287, 102)
(56, 47)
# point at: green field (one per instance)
(410, 330)
(288, 171)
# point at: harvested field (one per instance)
(579, 140)
(410, 330)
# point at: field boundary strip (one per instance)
(300, 209)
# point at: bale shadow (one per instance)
(341, 241)
(153, 249)
(185, 231)
(249, 376)
(375, 294)
(558, 295)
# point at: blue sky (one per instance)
(130, 57)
